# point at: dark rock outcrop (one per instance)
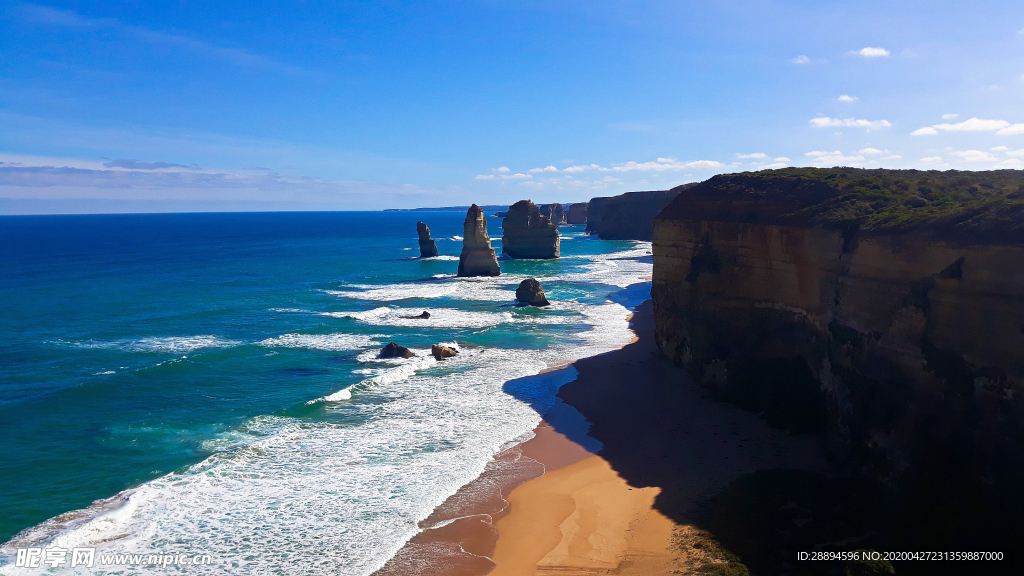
(628, 216)
(554, 212)
(441, 352)
(477, 258)
(836, 303)
(529, 234)
(393, 350)
(425, 315)
(428, 249)
(530, 292)
(577, 213)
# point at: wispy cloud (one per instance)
(545, 169)
(949, 116)
(754, 156)
(931, 160)
(138, 165)
(847, 98)
(871, 52)
(835, 158)
(45, 15)
(658, 165)
(1001, 127)
(871, 151)
(801, 59)
(827, 122)
(975, 156)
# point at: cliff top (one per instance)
(985, 207)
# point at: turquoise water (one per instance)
(184, 382)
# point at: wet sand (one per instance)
(613, 481)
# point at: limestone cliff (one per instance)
(428, 249)
(628, 216)
(577, 213)
(477, 258)
(884, 309)
(528, 234)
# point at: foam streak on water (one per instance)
(290, 495)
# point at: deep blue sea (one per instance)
(209, 383)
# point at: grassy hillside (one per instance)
(954, 205)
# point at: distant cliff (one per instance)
(881, 308)
(628, 216)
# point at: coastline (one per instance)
(613, 480)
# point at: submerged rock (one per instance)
(530, 292)
(393, 350)
(441, 352)
(422, 316)
(428, 249)
(528, 233)
(477, 258)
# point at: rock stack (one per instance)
(530, 292)
(554, 212)
(577, 213)
(478, 258)
(428, 249)
(441, 351)
(393, 350)
(528, 233)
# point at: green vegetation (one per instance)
(956, 205)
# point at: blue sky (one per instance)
(153, 106)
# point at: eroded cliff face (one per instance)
(527, 233)
(628, 216)
(905, 351)
(428, 248)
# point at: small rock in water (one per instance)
(530, 292)
(422, 316)
(393, 350)
(441, 352)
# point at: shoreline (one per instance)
(626, 458)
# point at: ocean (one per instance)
(209, 383)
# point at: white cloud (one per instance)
(772, 166)
(826, 122)
(1015, 152)
(1011, 130)
(782, 159)
(999, 149)
(752, 156)
(847, 98)
(975, 156)
(516, 176)
(503, 169)
(893, 157)
(949, 116)
(872, 52)
(1009, 163)
(545, 169)
(871, 151)
(801, 59)
(834, 158)
(484, 177)
(931, 160)
(972, 125)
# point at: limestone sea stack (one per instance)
(478, 258)
(528, 233)
(530, 292)
(577, 213)
(428, 249)
(555, 213)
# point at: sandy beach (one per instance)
(614, 480)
